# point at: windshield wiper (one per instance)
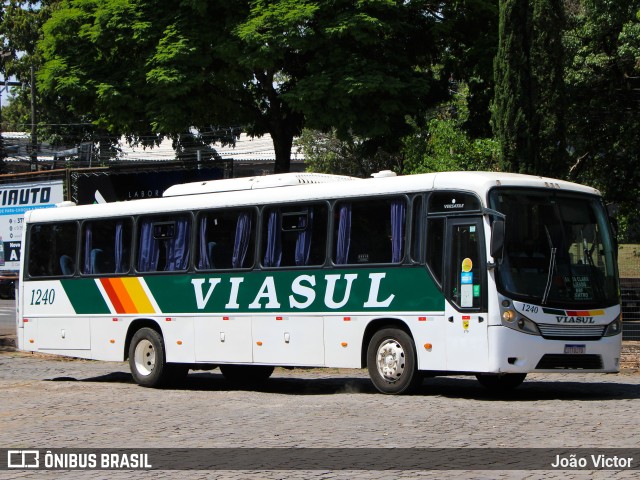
(593, 277)
(552, 266)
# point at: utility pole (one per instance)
(34, 133)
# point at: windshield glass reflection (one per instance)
(558, 249)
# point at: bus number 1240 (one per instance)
(43, 297)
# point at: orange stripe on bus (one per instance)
(122, 292)
(113, 296)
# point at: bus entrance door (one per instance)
(465, 287)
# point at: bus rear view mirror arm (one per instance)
(497, 232)
(497, 239)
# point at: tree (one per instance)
(445, 145)
(148, 68)
(468, 43)
(548, 90)
(603, 83)
(326, 153)
(528, 103)
(22, 29)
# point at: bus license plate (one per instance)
(574, 349)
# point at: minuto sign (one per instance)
(15, 200)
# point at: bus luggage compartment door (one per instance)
(288, 340)
(223, 339)
(64, 333)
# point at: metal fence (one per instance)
(630, 290)
(629, 266)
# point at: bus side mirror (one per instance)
(497, 238)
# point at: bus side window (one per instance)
(294, 236)
(370, 231)
(225, 239)
(435, 247)
(52, 249)
(164, 244)
(417, 229)
(105, 246)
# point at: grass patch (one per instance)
(629, 260)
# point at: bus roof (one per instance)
(280, 189)
(252, 183)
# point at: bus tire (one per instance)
(501, 383)
(246, 374)
(147, 359)
(392, 361)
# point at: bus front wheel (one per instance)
(391, 361)
(147, 360)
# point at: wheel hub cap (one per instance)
(145, 357)
(391, 360)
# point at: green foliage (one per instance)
(528, 106)
(16, 116)
(142, 69)
(548, 90)
(468, 42)
(362, 78)
(602, 75)
(444, 144)
(326, 153)
(145, 67)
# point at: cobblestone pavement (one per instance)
(52, 402)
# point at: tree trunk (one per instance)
(282, 144)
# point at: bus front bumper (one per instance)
(515, 352)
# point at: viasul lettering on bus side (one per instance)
(301, 293)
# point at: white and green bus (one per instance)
(478, 273)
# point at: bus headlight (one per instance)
(527, 326)
(520, 323)
(614, 328)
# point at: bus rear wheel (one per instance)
(391, 361)
(147, 360)
(501, 383)
(246, 374)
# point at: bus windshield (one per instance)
(558, 249)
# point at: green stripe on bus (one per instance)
(85, 296)
(355, 290)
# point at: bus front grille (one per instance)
(571, 332)
(552, 361)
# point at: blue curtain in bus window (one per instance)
(88, 242)
(344, 234)
(241, 243)
(97, 260)
(203, 259)
(149, 251)
(303, 242)
(398, 210)
(178, 247)
(273, 252)
(119, 248)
